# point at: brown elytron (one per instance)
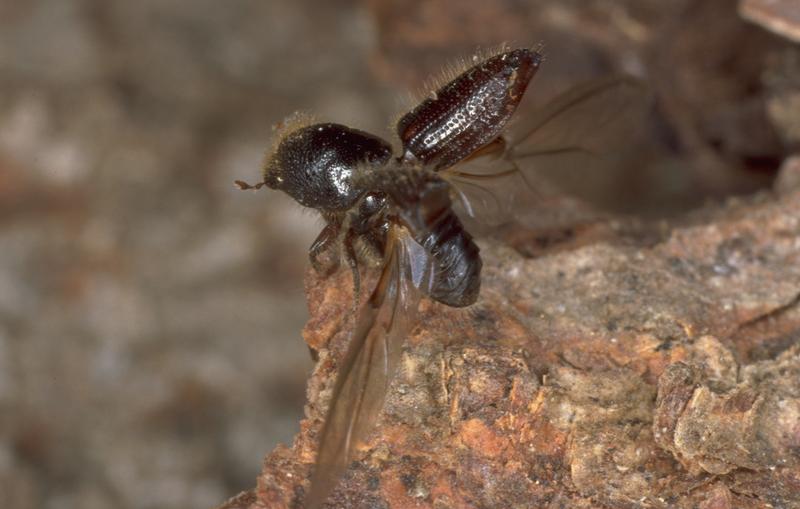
(398, 209)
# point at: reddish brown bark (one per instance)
(609, 375)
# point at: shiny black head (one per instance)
(315, 164)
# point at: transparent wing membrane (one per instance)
(572, 145)
(372, 356)
(584, 119)
(490, 191)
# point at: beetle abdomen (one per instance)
(457, 262)
(420, 200)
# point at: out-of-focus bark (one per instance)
(779, 16)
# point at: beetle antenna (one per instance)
(244, 186)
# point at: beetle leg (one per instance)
(322, 242)
(352, 261)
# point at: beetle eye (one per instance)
(273, 177)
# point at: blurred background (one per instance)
(150, 313)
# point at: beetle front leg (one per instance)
(323, 241)
(352, 261)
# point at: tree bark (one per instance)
(604, 373)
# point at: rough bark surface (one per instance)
(607, 375)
